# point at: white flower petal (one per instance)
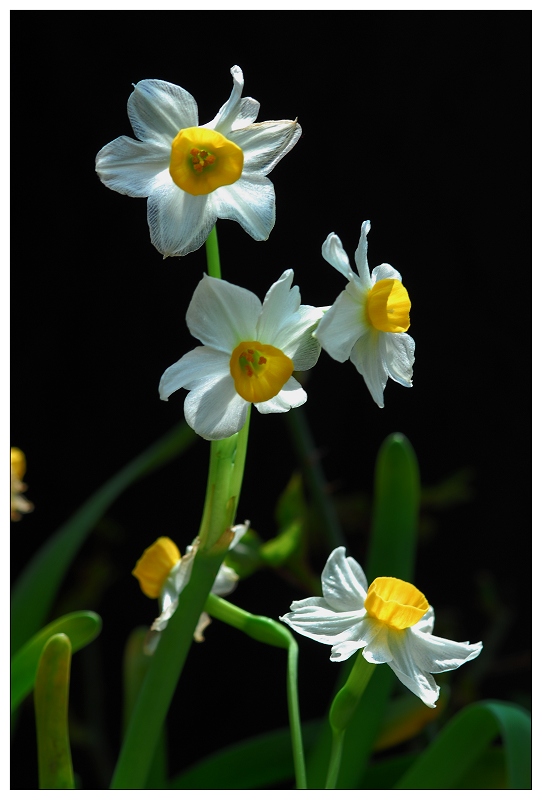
(250, 201)
(377, 650)
(290, 396)
(344, 584)
(238, 533)
(222, 315)
(399, 358)
(334, 254)
(433, 654)
(314, 618)
(265, 143)
(421, 684)
(231, 109)
(368, 359)
(179, 222)
(342, 651)
(158, 110)
(215, 410)
(427, 622)
(383, 272)
(361, 255)
(342, 326)
(280, 302)
(132, 168)
(203, 623)
(201, 365)
(225, 581)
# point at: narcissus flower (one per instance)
(19, 503)
(368, 321)
(390, 620)
(195, 174)
(249, 353)
(162, 573)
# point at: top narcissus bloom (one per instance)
(249, 353)
(390, 620)
(194, 174)
(368, 321)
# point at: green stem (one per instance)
(342, 710)
(335, 759)
(213, 256)
(264, 629)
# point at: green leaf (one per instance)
(36, 587)
(81, 627)
(392, 547)
(254, 763)
(51, 703)
(465, 738)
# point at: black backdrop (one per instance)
(418, 121)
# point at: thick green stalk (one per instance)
(213, 256)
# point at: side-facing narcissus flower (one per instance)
(390, 620)
(367, 322)
(19, 503)
(195, 174)
(249, 353)
(163, 573)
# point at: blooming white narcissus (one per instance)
(163, 574)
(249, 353)
(390, 620)
(367, 322)
(194, 174)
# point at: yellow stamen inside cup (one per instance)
(155, 565)
(203, 160)
(259, 371)
(388, 306)
(395, 602)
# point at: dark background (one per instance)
(418, 121)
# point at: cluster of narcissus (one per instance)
(193, 175)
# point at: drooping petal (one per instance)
(179, 222)
(131, 167)
(225, 581)
(314, 618)
(215, 410)
(250, 202)
(399, 358)
(290, 396)
(385, 271)
(343, 650)
(158, 110)
(221, 314)
(361, 255)
(265, 143)
(229, 112)
(427, 622)
(202, 365)
(422, 684)
(334, 254)
(368, 359)
(377, 650)
(344, 584)
(433, 654)
(342, 326)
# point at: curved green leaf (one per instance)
(81, 627)
(51, 702)
(465, 738)
(36, 587)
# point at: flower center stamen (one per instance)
(395, 602)
(155, 565)
(388, 306)
(202, 160)
(259, 371)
